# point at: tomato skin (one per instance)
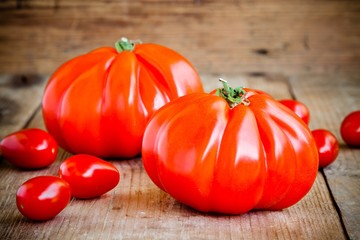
(29, 148)
(327, 145)
(217, 159)
(89, 176)
(42, 198)
(298, 108)
(350, 129)
(99, 103)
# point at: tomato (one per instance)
(350, 129)
(89, 176)
(299, 108)
(42, 198)
(327, 145)
(230, 153)
(99, 103)
(29, 148)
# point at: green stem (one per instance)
(233, 96)
(125, 45)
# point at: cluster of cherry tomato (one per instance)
(326, 142)
(43, 197)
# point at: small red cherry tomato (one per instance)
(327, 145)
(29, 148)
(89, 176)
(298, 108)
(350, 129)
(42, 198)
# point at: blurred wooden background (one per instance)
(255, 38)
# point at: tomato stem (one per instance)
(125, 45)
(233, 96)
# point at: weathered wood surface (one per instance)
(19, 99)
(330, 99)
(304, 49)
(231, 36)
(137, 209)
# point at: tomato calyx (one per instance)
(125, 44)
(234, 96)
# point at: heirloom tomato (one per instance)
(327, 145)
(298, 108)
(42, 198)
(89, 176)
(29, 148)
(99, 103)
(350, 129)
(230, 152)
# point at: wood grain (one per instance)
(248, 37)
(303, 49)
(137, 209)
(20, 96)
(330, 99)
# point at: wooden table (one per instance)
(137, 209)
(303, 49)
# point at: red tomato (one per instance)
(89, 176)
(29, 148)
(42, 198)
(327, 145)
(99, 103)
(298, 108)
(231, 153)
(350, 129)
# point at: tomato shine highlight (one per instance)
(42, 198)
(350, 129)
(29, 148)
(107, 118)
(217, 158)
(89, 176)
(327, 145)
(299, 108)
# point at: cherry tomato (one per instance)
(327, 145)
(29, 148)
(350, 129)
(299, 108)
(42, 198)
(89, 176)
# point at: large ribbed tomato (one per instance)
(230, 156)
(99, 103)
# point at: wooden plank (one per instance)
(20, 96)
(20, 4)
(8, 4)
(330, 99)
(288, 37)
(137, 209)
